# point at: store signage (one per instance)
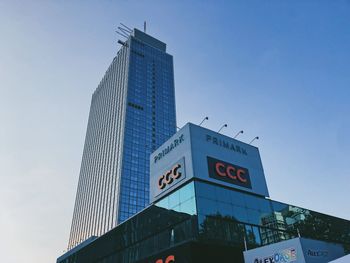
(225, 144)
(176, 142)
(317, 253)
(169, 259)
(228, 172)
(169, 176)
(284, 256)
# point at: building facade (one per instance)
(132, 113)
(209, 203)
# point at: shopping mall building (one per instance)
(210, 203)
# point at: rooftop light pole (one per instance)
(238, 133)
(255, 138)
(223, 126)
(206, 118)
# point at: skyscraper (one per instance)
(132, 113)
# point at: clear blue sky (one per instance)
(277, 69)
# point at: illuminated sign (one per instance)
(228, 172)
(169, 259)
(283, 256)
(176, 142)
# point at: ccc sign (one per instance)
(169, 177)
(169, 259)
(228, 172)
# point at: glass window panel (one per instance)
(206, 206)
(237, 198)
(252, 202)
(201, 222)
(265, 205)
(223, 194)
(163, 203)
(205, 190)
(278, 207)
(240, 214)
(257, 235)
(176, 208)
(186, 192)
(188, 206)
(225, 209)
(174, 199)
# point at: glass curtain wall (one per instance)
(229, 216)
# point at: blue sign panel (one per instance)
(209, 156)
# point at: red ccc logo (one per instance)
(169, 259)
(231, 172)
(228, 172)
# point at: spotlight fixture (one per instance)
(238, 133)
(223, 126)
(206, 118)
(255, 138)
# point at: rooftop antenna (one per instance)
(128, 28)
(206, 118)
(123, 35)
(223, 126)
(238, 133)
(144, 27)
(255, 138)
(123, 30)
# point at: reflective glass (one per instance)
(222, 194)
(240, 214)
(145, 130)
(237, 198)
(189, 206)
(253, 216)
(187, 192)
(251, 202)
(174, 199)
(225, 209)
(265, 220)
(205, 190)
(182, 200)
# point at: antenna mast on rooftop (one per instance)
(144, 27)
(124, 31)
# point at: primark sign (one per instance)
(225, 144)
(168, 148)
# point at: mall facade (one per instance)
(210, 203)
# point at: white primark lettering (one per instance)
(169, 148)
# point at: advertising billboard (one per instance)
(296, 250)
(209, 156)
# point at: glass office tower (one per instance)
(132, 113)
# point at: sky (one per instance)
(277, 69)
